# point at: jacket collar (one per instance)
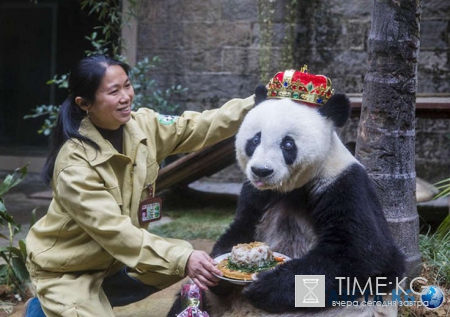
(132, 133)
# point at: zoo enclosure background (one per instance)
(220, 48)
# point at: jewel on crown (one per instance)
(299, 85)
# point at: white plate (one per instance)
(242, 282)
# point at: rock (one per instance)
(424, 191)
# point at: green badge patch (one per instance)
(167, 119)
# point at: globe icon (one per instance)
(432, 297)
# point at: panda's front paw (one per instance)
(268, 294)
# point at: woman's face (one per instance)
(113, 98)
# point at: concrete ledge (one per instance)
(218, 188)
(47, 194)
(9, 163)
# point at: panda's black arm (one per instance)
(274, 291)
(353, 242)
(250, 208)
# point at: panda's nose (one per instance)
(261, 171)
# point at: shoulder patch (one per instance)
(167, 119)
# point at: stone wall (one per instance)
(220, 49)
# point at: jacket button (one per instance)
(177, 271)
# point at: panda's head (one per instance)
(282, 144)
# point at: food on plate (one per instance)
(247, 259)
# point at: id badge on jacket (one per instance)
(150, 208)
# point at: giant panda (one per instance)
(307, 197)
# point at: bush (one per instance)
(13, 272)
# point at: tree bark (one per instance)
(386, 135)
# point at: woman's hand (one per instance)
(200, 268)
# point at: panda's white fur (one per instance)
(321, 153)
(308, 198)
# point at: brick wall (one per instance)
(214, 47)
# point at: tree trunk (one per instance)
(386, 133)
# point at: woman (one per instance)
(91, 251)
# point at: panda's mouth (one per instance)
(265, 183)
(274, 181)
(259, 183)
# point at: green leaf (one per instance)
(33, 217)
(23, 249)
(444, 227)
(4, 255)
(13, 179)
(444, 188)
(7, 217)
(20, 270)
(3, 274)
(15, 251)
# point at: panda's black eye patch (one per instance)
(289, 150)
(252, 144)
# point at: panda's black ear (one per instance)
(337, 109)
(260, 94)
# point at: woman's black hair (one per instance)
(84, 80)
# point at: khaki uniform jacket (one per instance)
(92, 221)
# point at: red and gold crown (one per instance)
(300, 86)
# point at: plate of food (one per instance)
(246, 260)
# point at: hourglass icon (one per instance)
(310, 284)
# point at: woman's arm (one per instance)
(192, 130)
